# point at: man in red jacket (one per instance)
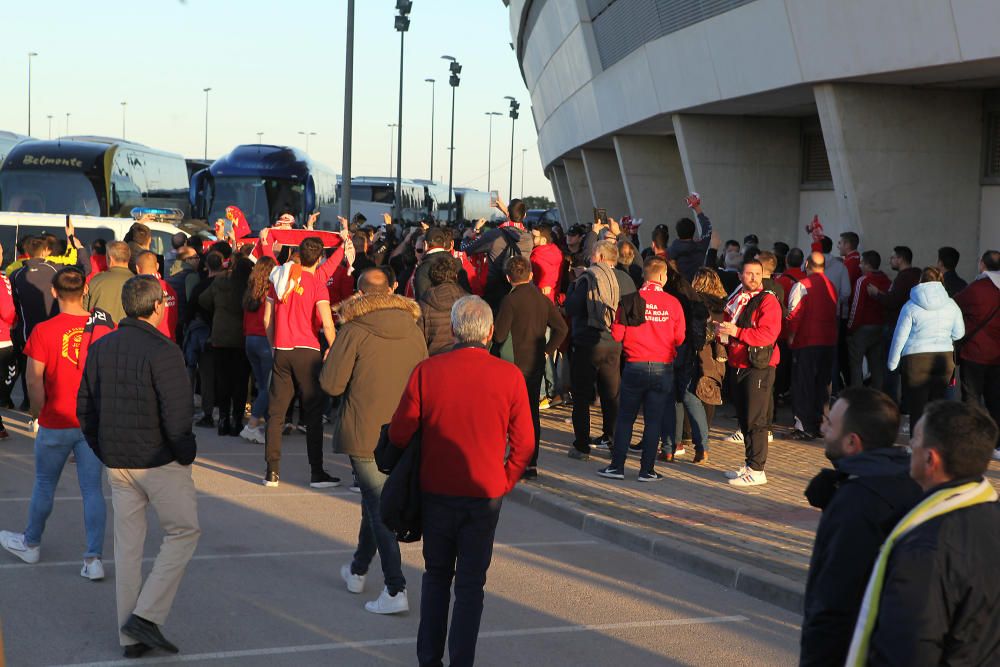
(865, 322)
(980, 354)
(753, 320)
(463, 472)
(812, 336)
(546, 262)
(648, 377)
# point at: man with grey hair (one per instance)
(591, 303)
(465, 473)
(137, 371)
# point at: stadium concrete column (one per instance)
(906, 164)
(653, 179)
(567, 210)
(747, 170)
(605, 181)
(579, 189)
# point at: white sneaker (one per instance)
(253, 434)
(14, 543)
(770, 436)
(93, 570)
(739, 472)
(750, 478)
(736, 437)
(996, 454)
(355, 582)
(389, 604)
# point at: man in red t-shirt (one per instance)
(57, 352)
(146, 265)
(298, 306)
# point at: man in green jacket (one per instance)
(370, 362)
(106, 287)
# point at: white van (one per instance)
(16, 226)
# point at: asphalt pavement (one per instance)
(264, 585)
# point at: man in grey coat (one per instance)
(370, 362)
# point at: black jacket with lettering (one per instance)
(33, 294)
(134, 404)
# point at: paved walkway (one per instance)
(770, 527)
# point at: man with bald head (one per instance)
(812, 337)
(146, 264)
(106, 287)
(378, 346)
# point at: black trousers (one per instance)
(982, 383)
(7, 362)
(601, 364)
(206, 378)
(293, 370)
(925, 378)
(752, 396)
(232, 377)
(458, 545)
(811, 385)
(534, 384)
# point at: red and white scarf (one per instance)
(738, 301)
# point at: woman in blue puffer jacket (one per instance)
(924, 343)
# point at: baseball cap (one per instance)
(576, 230)
(750, 239)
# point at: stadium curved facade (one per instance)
(879, 117)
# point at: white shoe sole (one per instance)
(323, 485)
(370, 606)
(271, 484)
(29, 557)
(98, 577)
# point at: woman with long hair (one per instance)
(923, 345)
(627, 255)
(258, 349)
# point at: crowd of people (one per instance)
(383, 324)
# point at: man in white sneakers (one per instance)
(57, 351)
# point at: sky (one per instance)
(276, 68)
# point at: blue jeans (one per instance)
(259, 354)
(374, 536)
(699, 423)
(52, 448)
(648, 385)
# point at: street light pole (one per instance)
(307, 135)
(345, 164)
(392, 137)
(260, 136)
(456, 69)
(50, 125)
(31, 54)
(67, 123)
(514, 106)
(489, 150)
(433, 96)
(124, 104)
(205, 90)
(402, 24)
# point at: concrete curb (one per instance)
(753, 581)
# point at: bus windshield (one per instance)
(48, 192)
(262, 200)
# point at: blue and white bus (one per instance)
(265, 181)
(8, 140)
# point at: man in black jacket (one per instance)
(940, 592)
(524, 315)
(438, 243)
(135, 410)
(862, 498)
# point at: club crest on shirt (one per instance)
(71, 341)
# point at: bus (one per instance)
(95, 176)
(373, 196)
(8, 140)
(472, 204)
(265, 181)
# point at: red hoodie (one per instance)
(546, 265)
(657, 338)
(866, 311)
(766, 321)
(812, 312)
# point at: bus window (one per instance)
(48, 192)
(88, 235)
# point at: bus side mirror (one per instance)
(196, 193)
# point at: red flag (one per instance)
(241, 227)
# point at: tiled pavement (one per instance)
(770, 527)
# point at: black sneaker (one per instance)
(146, 632)
(206, 422)
(611, 472)
(530, 473)
(575, 453)
(271, 478)
(651, 476)
(604, 442)
(133, 651)
(636, 447)
(321, 480)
